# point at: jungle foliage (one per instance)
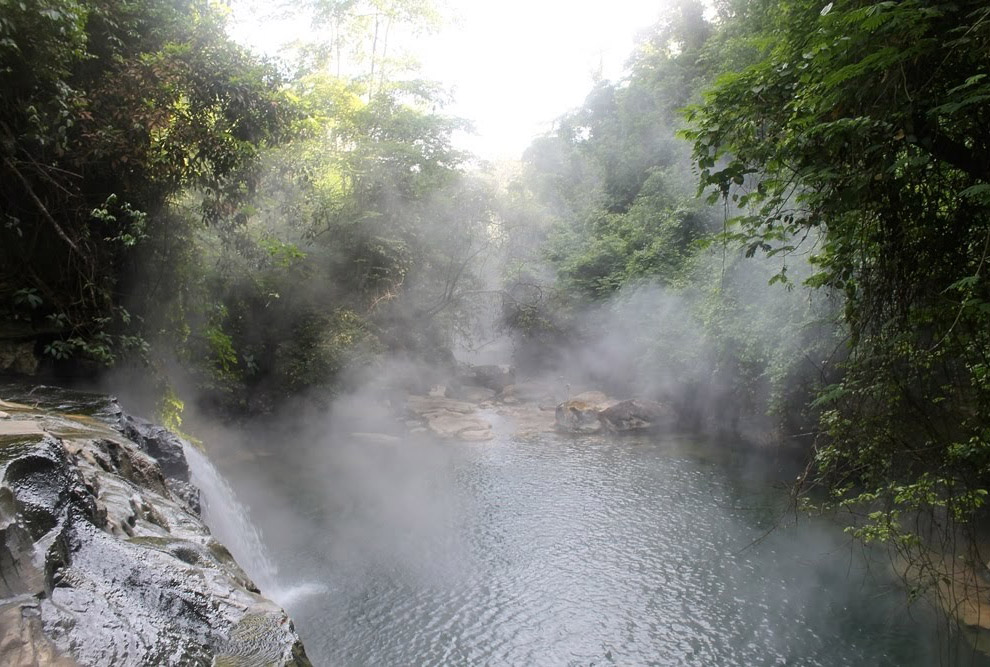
(246, 231)
(622, 237)
(111, 110)
(863, 125)
(842, 150)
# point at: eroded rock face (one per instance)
(103, 564)
(166, 449)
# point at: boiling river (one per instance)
(562, 550)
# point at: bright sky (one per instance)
(513, 65)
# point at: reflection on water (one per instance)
(569, 551)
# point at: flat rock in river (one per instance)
(451, 425)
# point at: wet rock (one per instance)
(491, 377)
(577, 417)
(185, 493)
(160, 443)
(580, 413)
(81, 406)
(473, 394)
(449, 419)
(635, 415)
(22, 637)
(102, 564)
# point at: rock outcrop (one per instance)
(449, 419)
(593, 411)
(104, 559)
(580, 413)
(635, 415)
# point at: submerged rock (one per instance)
(103, 564)
(528, 419)
(376, 438)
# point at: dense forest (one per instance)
(782, 206)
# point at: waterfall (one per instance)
(230, 523)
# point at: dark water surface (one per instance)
(567, 551)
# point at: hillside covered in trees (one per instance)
(781, 210)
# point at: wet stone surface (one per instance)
(104, 558)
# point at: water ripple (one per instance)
(589, 552)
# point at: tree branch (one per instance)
(42, 208)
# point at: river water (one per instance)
(560, 550)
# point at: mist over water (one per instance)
(560, 550)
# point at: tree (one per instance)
(110, 110)
(864, 125)
(361, 34)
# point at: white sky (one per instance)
(512, 65)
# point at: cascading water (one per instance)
(229, 521)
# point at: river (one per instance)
(563, 550)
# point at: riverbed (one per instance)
(565, 550)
